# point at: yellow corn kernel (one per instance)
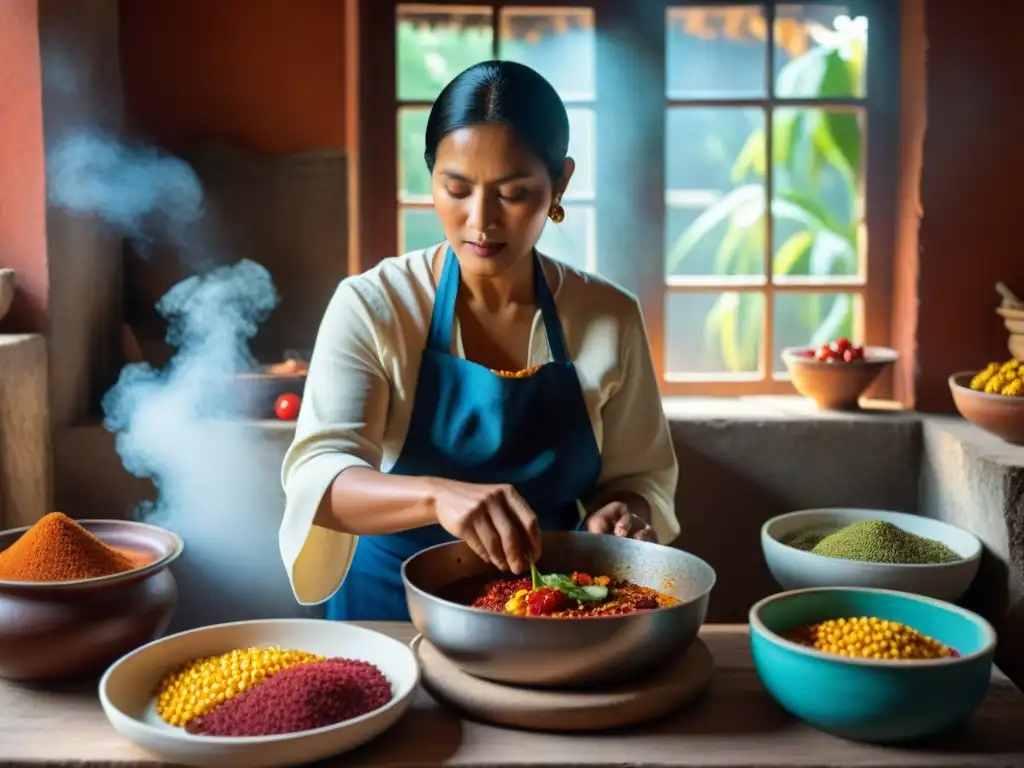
(1013, 388)
(1009, 365)
(982, 378)
(871, 638)
(995, 384)
(200, 685)
(602, 581)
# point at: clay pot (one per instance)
(1000, 415)
(6, 291)
(836, 386)
(57, 630)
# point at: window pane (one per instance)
(713, 333)
(557, 42)
(715, 222)
(413, 176)
(820, 52)
(818, 207)
(716, 52)
(573, 241)
(583, 149)
(418, 228)
(811, 319)
(435, 44)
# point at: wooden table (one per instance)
(735, 724)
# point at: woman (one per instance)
(409, 435)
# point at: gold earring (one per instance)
(557, 213)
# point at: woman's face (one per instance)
(493, 197)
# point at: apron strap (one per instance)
(549, 313)
(439, 338)
(442, 319)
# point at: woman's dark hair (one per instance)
(509, 94)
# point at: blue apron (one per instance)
(471, 425)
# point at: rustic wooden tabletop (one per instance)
(734, 724)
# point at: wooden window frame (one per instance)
(635, 170)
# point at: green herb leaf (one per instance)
(596, 592)
(534, 574)
(589, 594)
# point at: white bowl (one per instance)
(126, 692)
(797, 569)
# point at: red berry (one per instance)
(287, 406)
(842, 343)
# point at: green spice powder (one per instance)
(874, 541)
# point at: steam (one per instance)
(161, 417)
(150, 197)
(165, 420)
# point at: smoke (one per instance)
(169, 422)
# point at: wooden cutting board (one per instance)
(566, 711)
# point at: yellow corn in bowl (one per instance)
(819, 654)
(992, 399)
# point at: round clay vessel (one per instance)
(836, 386)
(1001, 415)
(58, 630)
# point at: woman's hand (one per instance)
(494, 520)
(616, 519)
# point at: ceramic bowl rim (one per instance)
(157, 565)
(255, 741)
(956, 386)
(496, 616)
(976, 555)
(754, 619)
(879, 356)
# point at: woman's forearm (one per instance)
(365, 502)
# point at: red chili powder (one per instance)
(58, 549)
(300, 698)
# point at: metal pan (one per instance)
(561, 652)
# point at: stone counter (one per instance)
(741, 461)
(25, 468)
(976, 481)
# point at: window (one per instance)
(434, 43)
(703, 113)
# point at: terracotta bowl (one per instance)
(1001, 415)
(836, 386)
(56, 630)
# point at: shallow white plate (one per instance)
(126, 692)
(796, 569)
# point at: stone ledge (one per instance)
(741, 462)
(25, 468)
(974, 480)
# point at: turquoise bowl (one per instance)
(866, 699)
